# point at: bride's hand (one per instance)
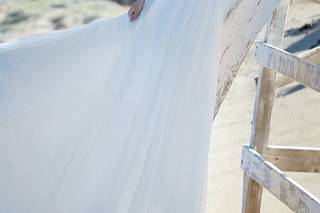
(136, 9)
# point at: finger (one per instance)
(137, 12)
(141, 6)
(130, 11)
(132, 15)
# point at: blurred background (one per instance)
(296, 111)
(24, 17)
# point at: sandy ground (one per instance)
(20, 18)
(295, 117)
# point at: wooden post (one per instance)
(252, 191)
(267, 82)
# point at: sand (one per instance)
(295, 118)
(25, 17)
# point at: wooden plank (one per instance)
(278, 183)
(312, 55)
(263, 107)
(292, 66)
(247, 17)
(294, 159)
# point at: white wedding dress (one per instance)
(113, 116)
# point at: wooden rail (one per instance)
(260, 173)
(294, 159)
(292, 66)
(312, 55)
(278, 183)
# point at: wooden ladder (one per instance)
(263, 164)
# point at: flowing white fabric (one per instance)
(113, 116)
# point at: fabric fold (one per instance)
(112, 116)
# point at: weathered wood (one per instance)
(267, 82)
(263, 107)
(278, 183)
(294, 159)
(243, 21)
(259, 172)
(251, 188)
(283, 62)
(312, 55)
